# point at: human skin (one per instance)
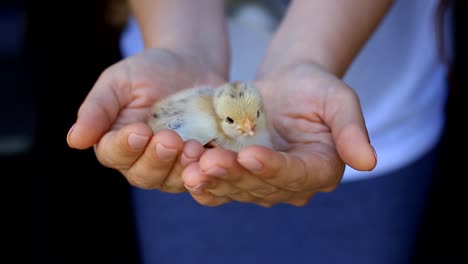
(317, 123)
(177, 55)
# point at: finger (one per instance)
(222, 164)
(349, 131)
(308, 167)
(225, 189)
(196, 185)
(191, 153)
(98, 112)
(119, 149)
(222, 192)
(222, 188)
(157, 161)
(300, 199)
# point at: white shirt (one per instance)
(398, 76)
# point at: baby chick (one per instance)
(230, 116)
(189, 112)
(239, 110)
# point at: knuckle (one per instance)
(221, 189)
(264, 191)
(141, 182)
(243, 197)
(299, 202)
(173, 183)
(110, 162)
(173, 189)
(279, 196)
(266, 204)
(212, 202)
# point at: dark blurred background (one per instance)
(51, 54)
(62, 206)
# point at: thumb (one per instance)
(96, 115)
(350, 133)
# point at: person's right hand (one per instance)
(113, 117)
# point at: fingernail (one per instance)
(137, 142)
(252, 164)
(191, 154)
(198, 189)
(216, 172)
(185, 161)
(165, 153)
(69, 133)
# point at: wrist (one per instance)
(278, 62)
(193, 29)
(214, 65)
(188, 67)
(326, 33)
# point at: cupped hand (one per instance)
(113, 116)
(317, 127)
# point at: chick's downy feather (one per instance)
(239, 107)
(230, 116)
(190, 113)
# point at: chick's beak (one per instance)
(248, 127)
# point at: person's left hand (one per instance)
(317, 127)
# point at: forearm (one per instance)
(187, 26)
(329, 33)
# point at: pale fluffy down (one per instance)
(239, 106)
(188, 112)
(230, 116)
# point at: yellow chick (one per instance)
(230, 116)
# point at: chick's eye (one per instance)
(229, 120)
(258, 113)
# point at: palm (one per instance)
(113, 117)
(149, 76)
(295, 111)
(316, 118)
(316, 126)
